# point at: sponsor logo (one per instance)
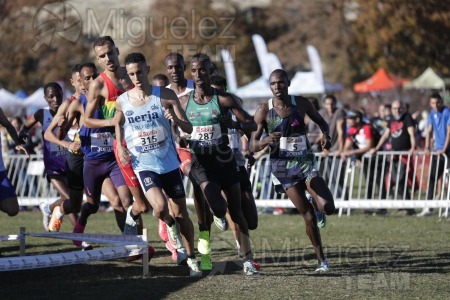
(148, 181)
(142, 118)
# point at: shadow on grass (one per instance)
(105, 280)
(360, 262)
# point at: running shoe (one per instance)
(206, 263)
(172, 250)
(426, 212)
(204, 244)
(323, 267)
(162, 230)
(221, 223)
(130, 227)
(320, 216)
(78, 229)
(151, 254)
(321, 219)
(55, 224)
(174, 236)
(86, 247)
(194, 270)
(250, 269)
(46, 214)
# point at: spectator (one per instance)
(439, 124)
(335, 117)
(380, 122)
(160, 80)
(359, 140)
(401, 132)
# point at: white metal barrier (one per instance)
(385, 180)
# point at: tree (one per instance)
(192, 26)
(34, 49)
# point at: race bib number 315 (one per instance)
(145, 141)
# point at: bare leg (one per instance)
(298, 198)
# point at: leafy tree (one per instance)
(192, 26)
(27, 61)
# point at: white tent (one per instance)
(427, 80)
(255, 89)
(10, 103)
(302, 83)
(36, 99)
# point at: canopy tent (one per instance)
(427, 80)
(36, 100)
(381, 80)
(255, 89)
(306, 83)
(10, 103)
(302, 83)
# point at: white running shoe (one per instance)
(46, 214)
(174, 236)
(194, 270)
(426, 212)
(221, 223)
(130, 227)
(323, 267)
(250, 268)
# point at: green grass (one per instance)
(371, 258)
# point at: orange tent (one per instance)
(379, 81)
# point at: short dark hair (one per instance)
(436, 96)
(330, 96)
(354, 113)
(54, 85)
(174, 54)
(218, 80)
(280, 71)
(204, 57)
(135, 58)
(92, 66)
(162, 77)
(101, 40)
(76, 69)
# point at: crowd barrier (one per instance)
(387, 179)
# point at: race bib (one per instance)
(101, 142)
(293, 146)
(57, 150)
(208, 135)
(146, 140)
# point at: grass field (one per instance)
(371, 258)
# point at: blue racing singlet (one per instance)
(148, 135)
